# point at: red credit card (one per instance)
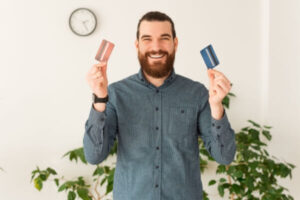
(104, 51)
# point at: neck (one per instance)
(156, 81)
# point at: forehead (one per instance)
(155, 28)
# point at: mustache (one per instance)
(156, 52)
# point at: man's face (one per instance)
(156, 48)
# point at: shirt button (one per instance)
(156, 108)
(157, 128)
(182, 111)
(156, 185)
(157, 148)
(157, 91)
(222, 145)
(213, 124)
(218, 127)
(157, 167)
(102, 119)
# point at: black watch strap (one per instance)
(99, 100)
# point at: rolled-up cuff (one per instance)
(96, 117)
(219, 126)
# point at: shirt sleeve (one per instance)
(100, 133)
(217, 135)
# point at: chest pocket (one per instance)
(182, 123)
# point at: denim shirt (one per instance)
(157, 130)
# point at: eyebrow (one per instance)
(166, 35)
(162, 35)
(145, 36)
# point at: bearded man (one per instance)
(156, 116)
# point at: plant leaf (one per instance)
(71, 195)
(56, 181)
(267, 134)
(83, 193)
(51, 171)
(221, 190)
(62, 187)
(99, 171)
(38, 184)
(212, 182)
(254, 124)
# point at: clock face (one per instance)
(82, 22)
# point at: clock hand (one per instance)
(85, 25)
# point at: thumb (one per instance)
(103, 70)
(210, 76)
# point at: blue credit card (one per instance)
(209, 56)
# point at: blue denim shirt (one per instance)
(157, 130)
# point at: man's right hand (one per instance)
(97, 80)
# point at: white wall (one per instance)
(283, 110)
(45, 100)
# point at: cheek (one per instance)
(169, 46)
(170, 49)
(143, 49)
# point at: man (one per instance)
(157, 116)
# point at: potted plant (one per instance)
(252, 175)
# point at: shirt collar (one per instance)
(170, 78)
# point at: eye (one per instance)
(166, 38)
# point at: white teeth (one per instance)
(156, 56)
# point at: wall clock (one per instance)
(82, 21)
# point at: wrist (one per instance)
(101, 95)
(100, 107)
(217, 111)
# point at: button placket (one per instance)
(157, 142)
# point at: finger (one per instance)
(220, 91)
(211, 77)
(217, 73)
(220, 74)
(221, 83)
(94, 69)
(223, 80)
(98, 66)
(97, 71)
(103, 71)
(212, 88)
(97, 76)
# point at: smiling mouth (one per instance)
(156, 56)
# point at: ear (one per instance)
(136, 43)
(175, 43)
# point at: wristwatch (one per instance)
(99, 100)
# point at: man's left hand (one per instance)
(219, 87)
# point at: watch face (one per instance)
(82, 22)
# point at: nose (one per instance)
(155, 46)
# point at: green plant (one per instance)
(254, 172)
(252, 175)
(78, 187)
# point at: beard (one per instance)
(158, 69)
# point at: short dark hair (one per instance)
(155, 16)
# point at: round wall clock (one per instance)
(82, 22)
